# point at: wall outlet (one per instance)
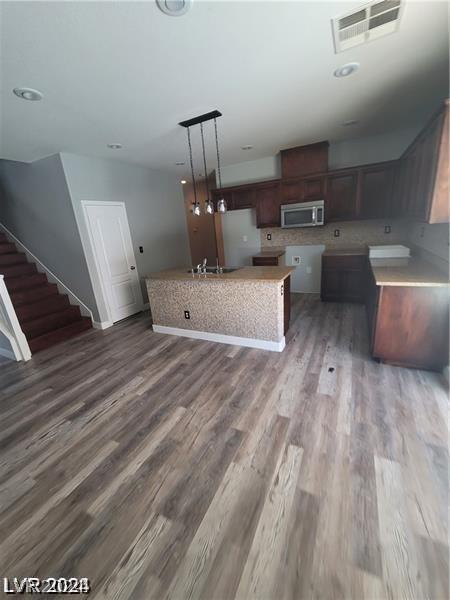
(187, 314)
(296, 260)
(337, 232)
(269, 236)
(244, 238)
(387, 229)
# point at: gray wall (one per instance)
(5, 346)
(35, 206)
(154, 203)
(346, 153)
(237, 225)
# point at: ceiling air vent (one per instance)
(368, 23)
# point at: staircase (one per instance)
(45, 316)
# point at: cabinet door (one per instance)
(330, 289)
(313, 188)
(375, 191)
(427, 156)
(292, 191)
(353, 285)
(268, 205)
(398, 204)
(341, 196)
(243, 198)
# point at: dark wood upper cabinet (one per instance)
(341, 198)
(292, 191)
(268, 202)
(314, 188)
(243, 198)
(415, 186)
(375, 186)
(422, 174)
(303, 189)
(304, 160)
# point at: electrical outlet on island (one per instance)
(296, 260)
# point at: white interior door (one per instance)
(111, 243)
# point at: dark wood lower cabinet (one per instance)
(343, 278)
(287, 303)
(409, 325)
(266, 261)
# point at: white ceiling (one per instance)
(125, 72)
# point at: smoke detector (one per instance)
(367, 23)
(174, 8)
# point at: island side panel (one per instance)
(250, 309)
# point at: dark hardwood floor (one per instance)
(163, 467)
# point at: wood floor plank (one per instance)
(164, 467)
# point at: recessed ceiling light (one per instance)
(247, 147)
(28, 94)
(174, 8)
(183, 181)
(180, 164)
(346, 69)
(350, 122)
(114, 146)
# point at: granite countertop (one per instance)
(270, 253)
(417, 273)
(272, 274)
(347, 251)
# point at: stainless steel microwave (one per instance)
(303, 214)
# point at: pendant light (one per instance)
(221, 204)
(209, 206)
(195, 207)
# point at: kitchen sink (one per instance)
(213, 271)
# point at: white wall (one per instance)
(432, 242)
(365, 150)
(252, 170)
(154, 204)
(237, 225)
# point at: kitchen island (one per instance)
(248, 306)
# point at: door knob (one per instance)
(132, 267)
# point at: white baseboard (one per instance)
(102, 324)
(7, 353)
(223, 339)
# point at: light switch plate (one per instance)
(244, 238)
(308, 270)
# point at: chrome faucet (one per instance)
(201, 267)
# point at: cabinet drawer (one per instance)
(265, 261)
(354, 261)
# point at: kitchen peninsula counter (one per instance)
(242, 274)
(249, 306)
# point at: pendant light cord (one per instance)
(192, 165)
(218, 156)
(204, 162)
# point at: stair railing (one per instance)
(10, 327)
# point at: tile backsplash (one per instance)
(351, 233)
